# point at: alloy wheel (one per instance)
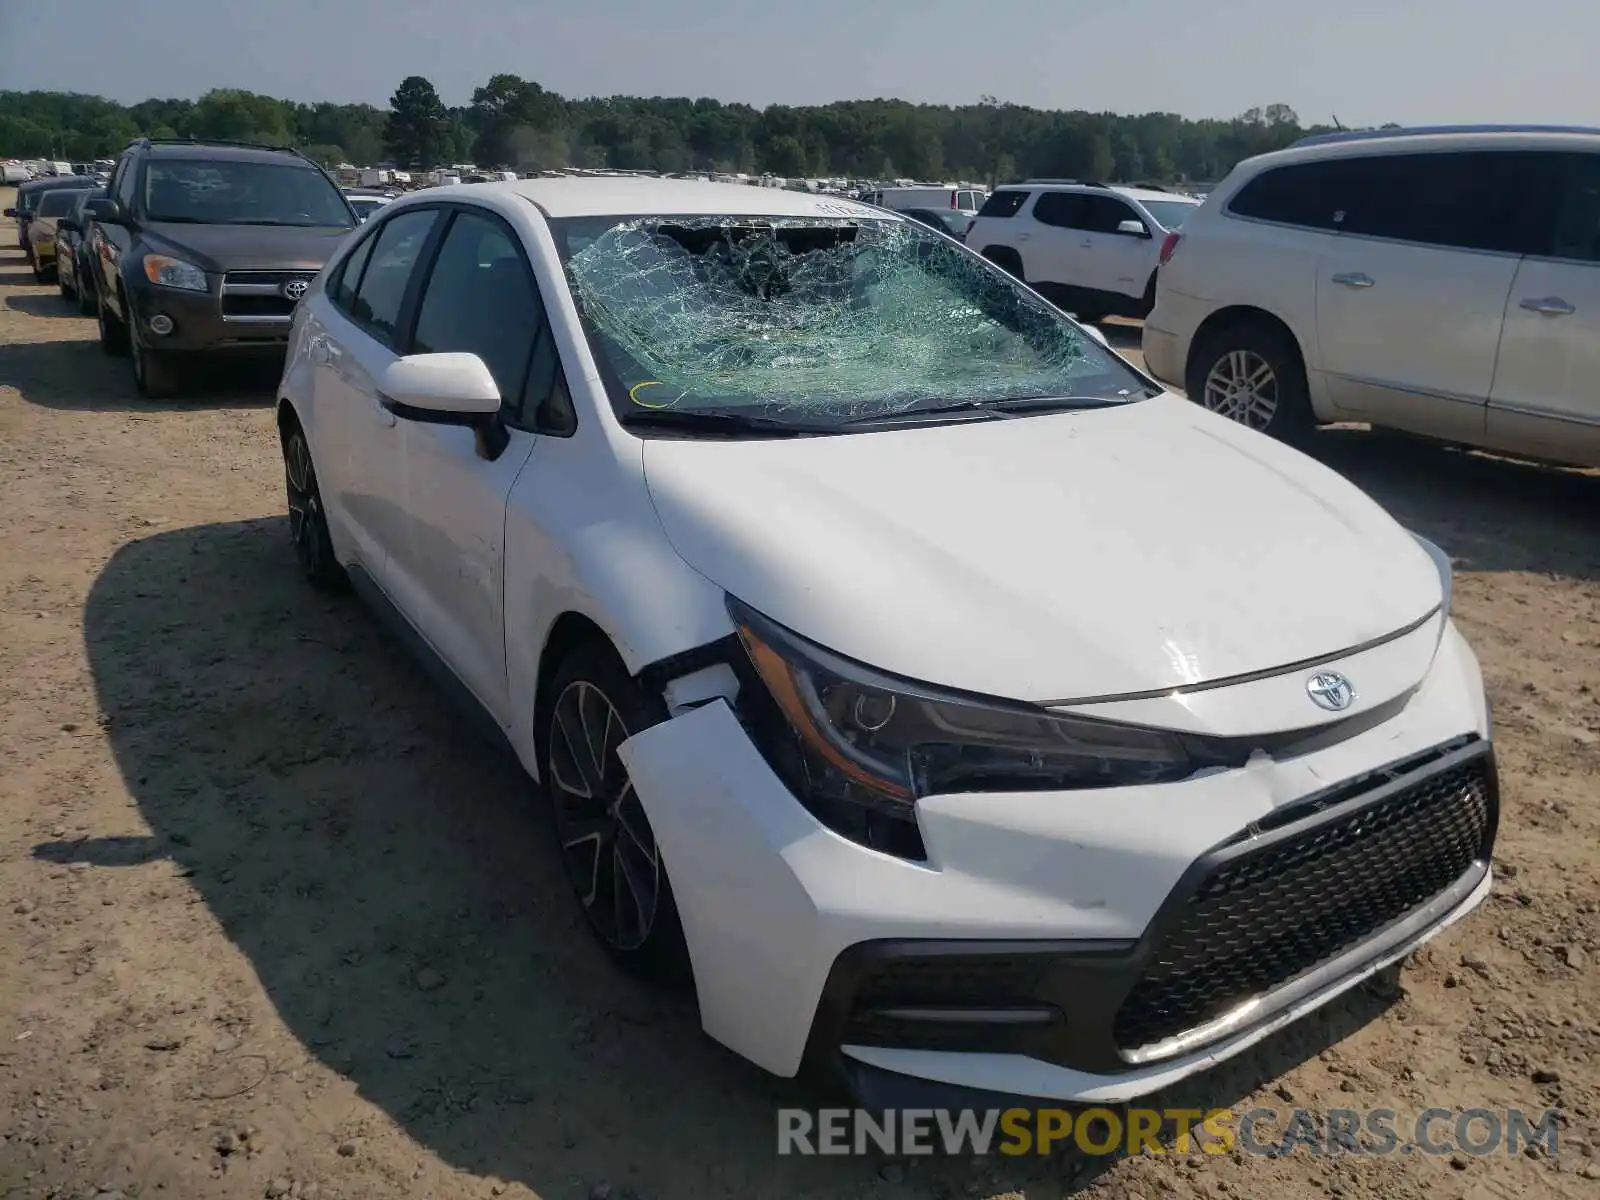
(305, 504)
(610, 853)
(1243, 387)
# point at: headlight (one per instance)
(851, 738)
(1446, 569)
(174, 273)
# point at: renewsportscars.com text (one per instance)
(1268, 1132)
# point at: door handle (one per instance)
(1087, 244)
(1549, 306)
(1354, 279)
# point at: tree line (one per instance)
(515, 123)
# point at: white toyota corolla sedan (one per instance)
(951, 705)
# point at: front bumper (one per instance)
(198, 323)
(1070, 946)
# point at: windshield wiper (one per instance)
(1004, 407)
(699, 420)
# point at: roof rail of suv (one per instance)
(223, 142)
(1361, 135)
(1078, 182)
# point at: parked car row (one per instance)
(723, 507)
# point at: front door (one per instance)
(479, 298)
(1545, 396)
(1411, 291)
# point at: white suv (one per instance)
(1442, 281)
(887, 647)
(1089, 248)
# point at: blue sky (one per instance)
(1367, 61)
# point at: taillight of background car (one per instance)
(1171, 244)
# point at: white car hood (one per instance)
(1049, 558)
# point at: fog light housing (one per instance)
(161, 324)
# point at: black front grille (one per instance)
(1260, 919)
(257, 306)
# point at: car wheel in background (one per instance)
(88, 302)
(308, 524)
(40, 275)
(113, 333)
(1252, 373)
(1006, 259)
(66, 290)
(154, 373)
(607, 846)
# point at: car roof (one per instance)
(1366, 143)
(621, 196)
(56, 181)
(211, 152)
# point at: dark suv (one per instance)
(207, 246)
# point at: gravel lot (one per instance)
(273, 922)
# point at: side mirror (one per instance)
(1132, 228)
(11, 212)
(452, 388)
(105, 210)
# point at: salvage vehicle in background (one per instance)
(74, 269)
(1445, 282)
(689, 491)
(27, 200)
(52, 206)
(206, 247)
(1090, 248)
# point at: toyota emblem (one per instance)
(1330, 690)
(295, 288)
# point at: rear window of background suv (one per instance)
(1003, 204)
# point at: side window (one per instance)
(1102, 214)
(967, 201)
(1576, 226)
(1477, 200)
(394, 254)
(1004, 203)
(347, 277)
(123, 188)
(1304, 194)
(481, 298)
(1065, 210)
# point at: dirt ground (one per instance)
(272, 921)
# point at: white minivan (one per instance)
(1440, 281)
(943, 701)
(947, 196)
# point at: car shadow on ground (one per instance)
(1122, 337)
(75, 375)
(393, 884)
(51, 304)
(1488, 513)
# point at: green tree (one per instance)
(418, 125)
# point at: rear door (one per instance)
(1546, 397)
(1411, 292)
(999, 225)
(359, 339)
(1052, 251)
(479, 297)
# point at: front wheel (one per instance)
(1253, 374)
(40, 274)
(87, 304)
(154, 372)
(607, 846)
(308, 523)
(113, 333)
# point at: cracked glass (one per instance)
(816, 320)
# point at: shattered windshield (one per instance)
(816, 320)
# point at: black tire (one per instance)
(1147, 302)
(155, 372)
(40, 275)
(1278, 403)
(1090, 316)
(607, 848)
(113, 333)
(88, 302)
(1007, 260)
(308, 523)
(67, 292)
